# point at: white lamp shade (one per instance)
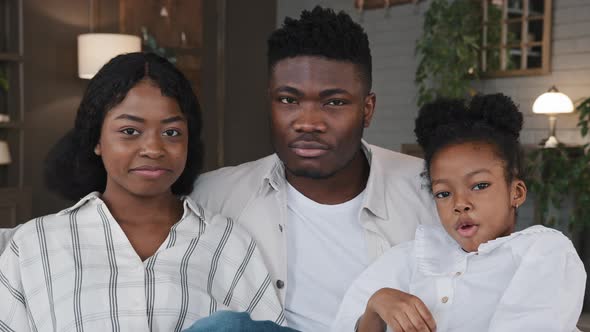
(96, 49)
(553, 102)
(4, 153)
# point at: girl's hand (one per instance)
(402, 312)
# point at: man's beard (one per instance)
(311, 174)
(316, 174)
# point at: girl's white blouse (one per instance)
(532, 280)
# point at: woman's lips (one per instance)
(150, 172)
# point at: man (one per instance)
(326, 204)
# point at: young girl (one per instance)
(134, 254)
(474, 273)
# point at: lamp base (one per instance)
(550, 142)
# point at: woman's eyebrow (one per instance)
(130, 117)
(142, 120)
(174, 119)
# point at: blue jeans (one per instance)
(229, 321)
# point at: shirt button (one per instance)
(281, 228)
(445, 299)
(280, 284)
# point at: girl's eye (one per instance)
(130, 131)
(442, 194)
(287, 100)
(481, 186)
(171, 132)
(336, 102)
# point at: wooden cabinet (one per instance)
(15, 199)
(176, 25)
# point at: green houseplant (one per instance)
(559, 174)
(448, 49)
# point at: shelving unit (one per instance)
(15, 198)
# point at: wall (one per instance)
(52, 88)
(247, 132)
(392, 34)
(53, 91)
(235, 79)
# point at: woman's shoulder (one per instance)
(54, 222)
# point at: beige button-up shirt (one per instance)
(254, 194)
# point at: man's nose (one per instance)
(310, 119)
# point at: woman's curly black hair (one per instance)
(493, 119)
(73, 170)
(323, 33)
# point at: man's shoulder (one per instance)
(227, 190)
(395, 161)
(253, 171)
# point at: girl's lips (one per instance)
(467, 230)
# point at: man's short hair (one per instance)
(323, 33)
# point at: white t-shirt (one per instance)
(532, 280)
(326, 251)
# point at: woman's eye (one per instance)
(442, 194)
(130, 131)
(171, 132)
(287, 100)
(481, 186)
(336, 102)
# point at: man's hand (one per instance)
(402, 312)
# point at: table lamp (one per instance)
(552, 103)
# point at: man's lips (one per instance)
(151, 172)
(466, 228)
(308, 149)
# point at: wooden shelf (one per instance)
(11, 125)
(10, 57)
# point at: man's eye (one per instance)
(442, 194)
(171, 132)
(336, 102)
(287, 100)
(481, 186)
(130, 131)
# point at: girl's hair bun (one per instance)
(499, 112)
(433, 116)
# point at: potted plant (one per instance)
(560, 178)
(448, 50)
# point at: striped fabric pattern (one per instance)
(76, 271)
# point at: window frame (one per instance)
(524, 44)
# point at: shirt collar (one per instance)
(275, 177)
(375, 197)
(437, 253)
(90, 197)
(493, 244)
(187, 203)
